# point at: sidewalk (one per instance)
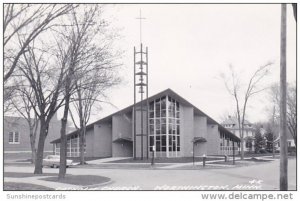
(177, 165)
(211, 163)
(105, 160)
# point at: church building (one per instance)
(174, 128)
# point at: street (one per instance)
(261, 176)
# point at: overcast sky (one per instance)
(191, 45)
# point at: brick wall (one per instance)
(20, 125)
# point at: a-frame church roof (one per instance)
(167, 92)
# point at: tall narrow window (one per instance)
(10, 137)
(17, 137)
(164, 124)
(14, 137)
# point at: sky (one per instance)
(191, 45)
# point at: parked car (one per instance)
(54, 161)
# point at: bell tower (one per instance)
(141, 109)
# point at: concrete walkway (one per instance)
(177, 165)
(105, 160)
(211, 163)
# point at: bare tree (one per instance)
(98, 73)
(241, 97)
(22, 24)
(45, 80)
(21, 103)
(8, 94)
(274, 93)
(88, 96)
(84, 53)
(292, 112)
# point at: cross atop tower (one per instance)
(140, 18)
(141, 109)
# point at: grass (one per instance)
(121, 166)
(82, 180)
(259, 155)
(256, 160)
(13, 186)
(26, 174)
(165, 160)
(200, 167)
(18, 164)
(25, 160)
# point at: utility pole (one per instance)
(283, 133)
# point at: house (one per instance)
(231, 123)
(176, 128)
(290, 142)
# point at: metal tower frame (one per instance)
(141, 71)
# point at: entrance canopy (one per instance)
(122, 140)
(199, 139)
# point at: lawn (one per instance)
(257, 160)
(121, 166)
(166, 160)
(259, 155)
(81, 180)
(12, 186)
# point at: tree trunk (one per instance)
(63, 148)
(33, 155)
(242, 141)
(283, 100)
(82, 128)
(33, 150)
(241, 137)
(40, 150)
(81, 144)
(63, 138)
(32, 144)
(242, 148)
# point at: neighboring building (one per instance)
(290, 142)
(16, 140)
(231, 123)
(175, 125)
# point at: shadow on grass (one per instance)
(26, 174)
(13, 186)
(82, 180)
